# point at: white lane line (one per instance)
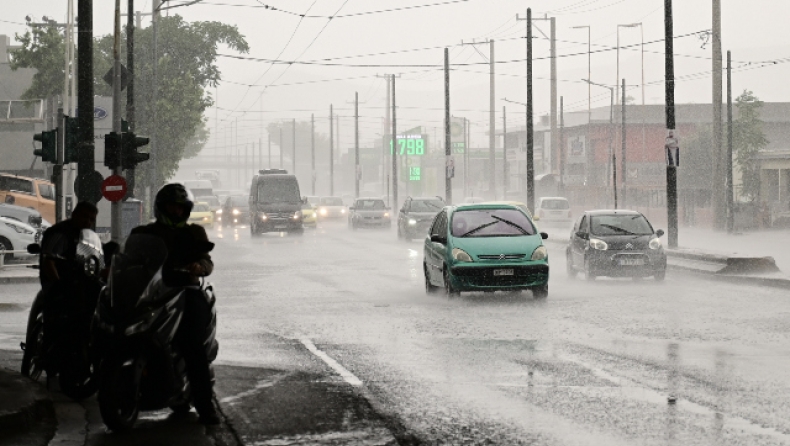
(262, 384)
(342, 371)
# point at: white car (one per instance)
(331, 207)
(554, 211)
(15, 235)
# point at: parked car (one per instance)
(485, 247)
(331, 207)
(416, 215)
(201, 215)
(235, 210)
(33, 193)
(15, 236)
(25, 215)
(554, 211)
(369, 212)
(618, 243)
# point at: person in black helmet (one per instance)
(188, 259)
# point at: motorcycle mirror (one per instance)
(34, 248)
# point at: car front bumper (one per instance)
(614, 263)
(372, 221)
(481, 277)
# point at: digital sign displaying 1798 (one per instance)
(410, 145)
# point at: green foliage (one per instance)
(748, 139)
(42, 48)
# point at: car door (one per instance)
(580, 243)
(433, 259)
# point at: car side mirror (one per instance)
(438, 239)
(34, 248)
(660, 232)
(544, 235)
(582, 235)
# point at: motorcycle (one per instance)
(135, 327)
(65, 313)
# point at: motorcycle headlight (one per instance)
(461, 255)
(19, 229)
(540, 253)
(598, 244)
(412, 222)
(655, 243)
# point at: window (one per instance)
(554, 204)
(278, 190)
(200, 208)
(436, 228)
(47, 191)
(238, 201)
(583, 225)
(369, 205)
(332, 201)
(491, 223)
(15, 184)
(620, 225)
(426, 205)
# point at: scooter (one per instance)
(65, 313)
(134, 331)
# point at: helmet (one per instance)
(173, 193)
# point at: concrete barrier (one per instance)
(721, 264)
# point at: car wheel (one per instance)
(448, 286)
(541, 292)
(660, 276)
(5, 245)
(429, 287)
(569, 266)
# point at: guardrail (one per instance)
(3, 265)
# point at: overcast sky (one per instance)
(254, 93)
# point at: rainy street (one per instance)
(330, 337)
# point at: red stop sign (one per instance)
(113, 188)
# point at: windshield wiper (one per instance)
(479, 228)
(619, 229)
(508, 222)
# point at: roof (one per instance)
(612, 212)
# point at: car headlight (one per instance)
(412, 222)
(540, 253)
(236, 212)
(598, 244)
(297, 215)
(19, 229)
(461, 255)
(323, 211)
(205, 219)
(342, 211)
(264, 217)
(655, 243)
(386, 215)
(219, 211)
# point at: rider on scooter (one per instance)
(188, 260)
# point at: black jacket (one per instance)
(185, 245)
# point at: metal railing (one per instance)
(3, 265)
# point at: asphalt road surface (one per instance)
(329, 338)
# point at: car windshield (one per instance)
(491, 223)
(620, 225)
(200, 207)
(210, 200)
(426, 205)
(369, 205)
(332, 201)
(239, 201)
(278, 190)
(554, 204)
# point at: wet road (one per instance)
(329, 338)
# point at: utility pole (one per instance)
(394, 152)
(115, 207)
(622, 153)
(449, 167)
(85, 164)
(719, 196)
(357, 171)
(269, 137)
(155, 93)
(530, 130)
(130, 114)
(504, 154)
(293, 146)
(730, 198)
(331, 154)
(561, 147)
(672, 192)
(312, 152)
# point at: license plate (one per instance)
(631, 262)
(503, 272)
(280, 226)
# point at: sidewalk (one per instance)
(18, 274)
(23, 405)
(771, 242)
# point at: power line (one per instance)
(335, 16)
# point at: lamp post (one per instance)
(611, 131)
(631, 25)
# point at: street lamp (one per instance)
(611, 131)
(631, 25)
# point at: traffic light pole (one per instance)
(57, 172)
(115, 209)
(85, 164)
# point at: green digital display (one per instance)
(414, 174)
(409, 145)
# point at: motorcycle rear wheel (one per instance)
(118, 396)
(32, 359)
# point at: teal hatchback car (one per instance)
(485, 247)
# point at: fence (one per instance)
(3, 265)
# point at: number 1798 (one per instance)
(410, 147)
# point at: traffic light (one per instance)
(112, 149)
(70, 152)
(130, 157)
(49, 145)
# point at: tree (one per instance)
(42, 48)
(748, 139)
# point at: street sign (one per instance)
(672, 150)
(113, 188)
(124, 76)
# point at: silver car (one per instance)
(369, 212)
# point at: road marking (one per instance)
(258, 386)
(342, 371)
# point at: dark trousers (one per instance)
(195, 328)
